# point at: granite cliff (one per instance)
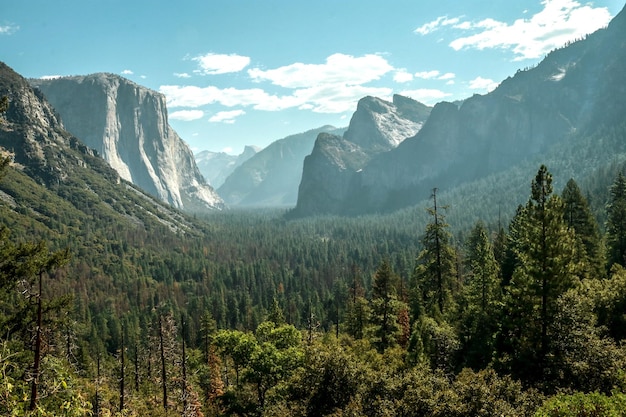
(376, 127)
(127, 125)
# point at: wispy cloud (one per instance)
(213, 64)
(226, 116)
(127, 72)
(426, 95)
(435, 75)
(480, 83)
(436, 24)
(427, 75)
(9, 29)
(181, 75)
(557, 23)
(187, 115)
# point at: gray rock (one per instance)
(127, 125)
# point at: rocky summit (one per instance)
(127, 125)
(376, 127)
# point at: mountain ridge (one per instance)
(575, 90)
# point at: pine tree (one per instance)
(578, 216)
(436, 272)
(547, 265)
(482, 298)
(616, 222)
(385, 307)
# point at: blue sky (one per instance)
(249, 72)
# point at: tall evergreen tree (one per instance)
(482, 298)
(616, 222)
(385, 307)
(578, 216)
(547, 265)
(436, 272)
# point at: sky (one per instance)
(249, 72)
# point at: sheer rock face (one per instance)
(573, 92)
(127, 125)
(271, 177)
(332, 169)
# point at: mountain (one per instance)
(127, 125)
(217, 166)
(57, 185)
(573, 93)
(271, 177)
(377, 126)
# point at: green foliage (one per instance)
(547, 265)
(584, 405)
(616, 223)
(385, 308)
(435, 273)
(578, 216)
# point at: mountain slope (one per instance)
(271, 177)
(573, 92)
(217, 166)
(127, 125)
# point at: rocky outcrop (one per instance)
(333, 167)
(272, 176)
(574, 91)
(32, 133)
(127, 125)
(217, 166)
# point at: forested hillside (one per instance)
(246, 313)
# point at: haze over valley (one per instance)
(219, 210)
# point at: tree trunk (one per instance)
(34, 394)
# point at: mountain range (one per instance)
(391, 156)
(575, 92)
(217, 166)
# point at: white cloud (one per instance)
(192, 96)
(127, 72)
(427, 75)
(480, 83)
(557, 23)
(226, 116)
(447, 76)
(431, 27)
(338, 69)
(228, 150)
(50, 77)
(426, 95)
(212, 64)
(186, 115)
(9, 29)
(333, 87)
(402, 76)
(181, 75)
